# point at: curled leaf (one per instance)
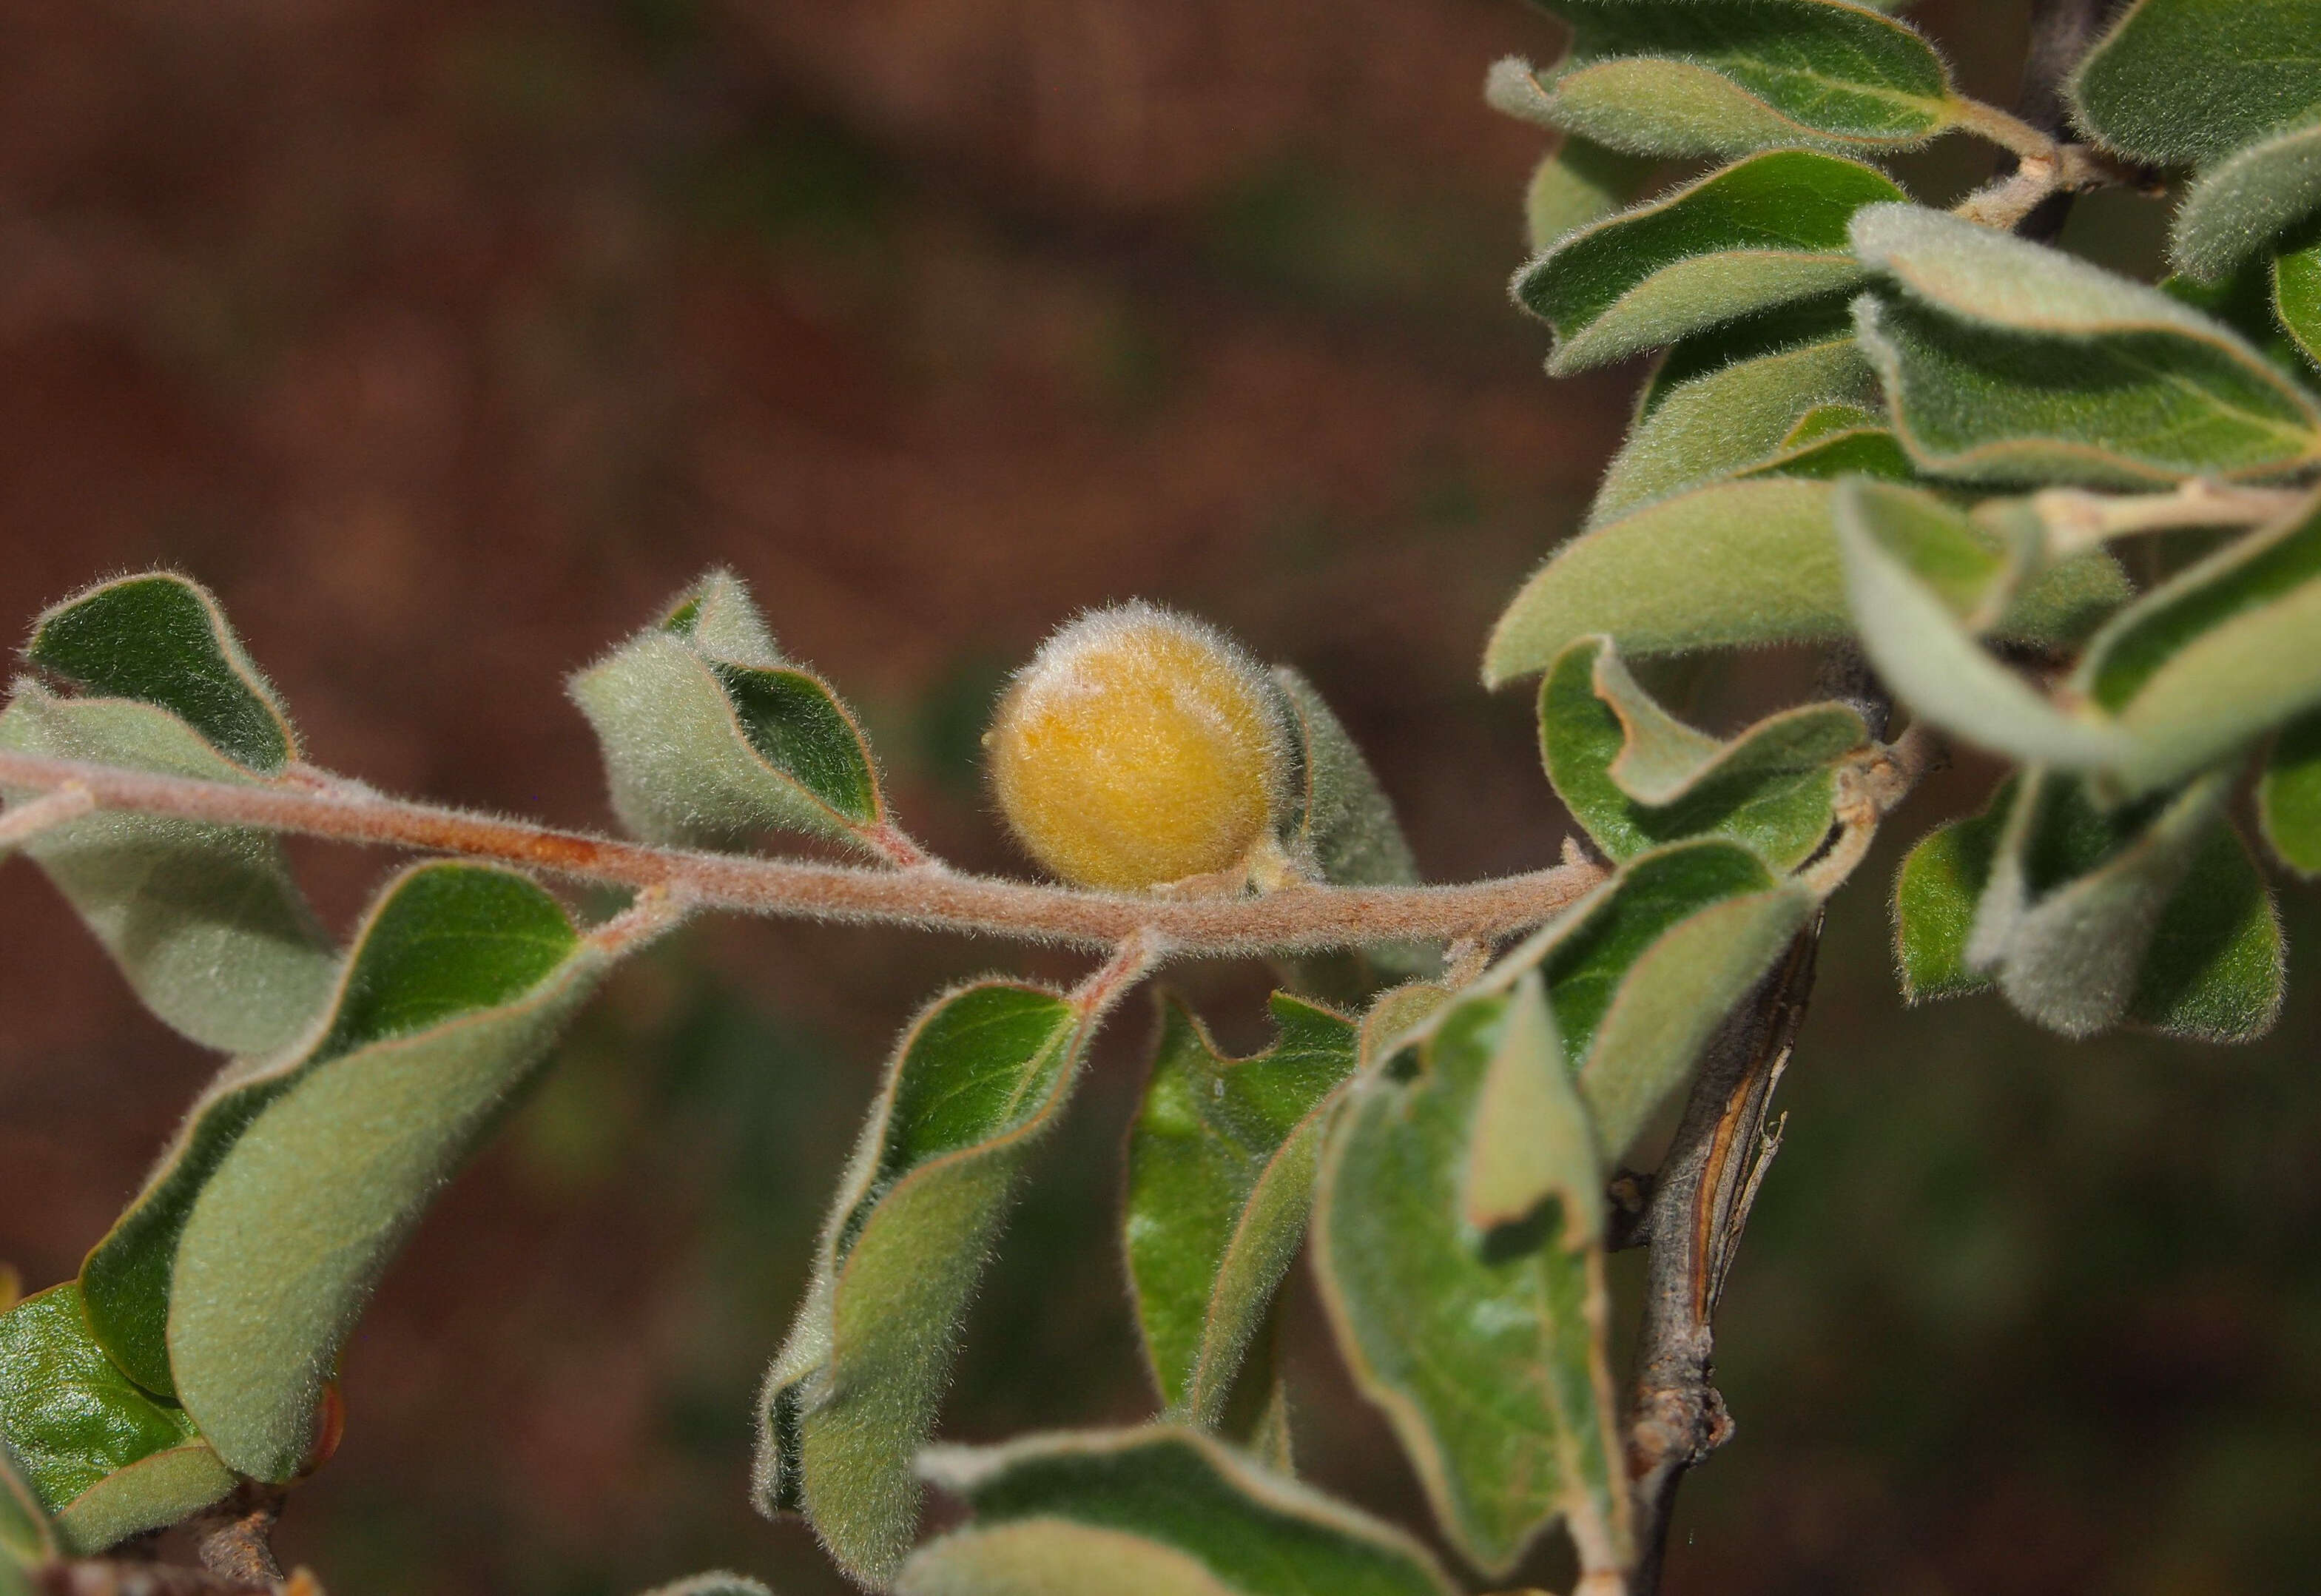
(979, 1075)
(458, 979)
(2288, 799)
(1485, 1349)
(1727, 76)
(1902, 549)
(2245, 201)
(1158, 1511)
(102, 1458)
(709, 735)
(2212, 659)
(2177, 82)
(2150, 914)
(159, 639)
(2007, 361)
(204, 920)
(1220, 1182)
(1764, 231)
(1635, 777)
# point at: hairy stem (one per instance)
(1295, 919)
(2077, 519)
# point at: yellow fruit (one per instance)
(1138, 748)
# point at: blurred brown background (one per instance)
(446, 340)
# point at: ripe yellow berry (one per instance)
(1138, 748)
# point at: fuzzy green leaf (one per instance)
(1903, 548)
(979, 1075)
(1635, 778)
(1763, 232)
(2289, 797)
(1642, 971)
(2296, 297)
(1340, 823)
(1934, 897)
(1531, 1142)
(204, 920)
(2006, 360)
(2180, 82)
(28, 1538)
(1728, 421)
(1727, 76)
(1486, 1351)
(1731, 563)
(1220, 1182)
(161, 639)
(1578, 182)
(710, 736)
(2216, 656)
(1824, 319)
(1156, 1512)
(2237, 206)
(1734, 564)
(102, 1458)
(719, 1582)
(2150, 914)
(458, 979)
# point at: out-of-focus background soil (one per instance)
(446, 340)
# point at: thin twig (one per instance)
(929, 896)
(2077, 519)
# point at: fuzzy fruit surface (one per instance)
(1137, 748)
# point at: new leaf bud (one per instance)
(1138, 748)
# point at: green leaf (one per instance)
(2243, 300)
(1734, 564)
(718, 1582)
(1340, 823)
(204, 920)
(2289, 797)
(1936, 894)
(27, 1537)
(1157, 1511)
(1728, 421)
(1634, 778)
(1823, 319)
(2218, 971)
(2213, 969)
(2239, 206)
(1727, 76)
(1485, 1350)
(1763, 232)
(2296, 297)
(1909, 558)
(1531, 1141)
(2009, 362)
(1644, 970)
(458, 979)
(1577, 183)
(2215, 656)
(2149, 913)
(1220, 1182)
(102, 1458)
(2180, 82)
(979, 1075)
(161, 639)
(710, 736)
